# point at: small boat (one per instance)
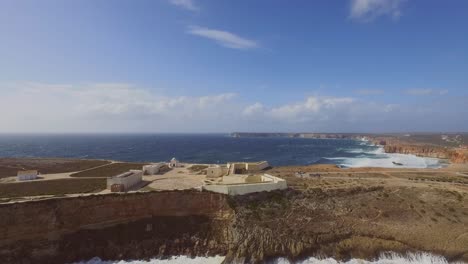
(397, 163)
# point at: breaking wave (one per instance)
(386, 258)
(375, 156)
(171, 260)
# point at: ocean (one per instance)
(208, 148)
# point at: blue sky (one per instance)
(220, 66)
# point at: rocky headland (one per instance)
(336, 217)
(453, 154)
(449, 147)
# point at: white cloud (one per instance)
(422, 92)
(121, 107)
(253, 109)
(443, 92)
(367, 10)
(103, 107)
(186, 4)
(223, 38)
(312, 107)
(206, 101)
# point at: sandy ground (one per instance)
(176, 179)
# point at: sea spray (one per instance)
(375, 156)
(171, 260)
(385, 258)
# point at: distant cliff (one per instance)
(454, 155)
(296, 135)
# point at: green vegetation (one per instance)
(442, 178)
(109, 171)
(51, 187)
(197, 168)
(10, 166)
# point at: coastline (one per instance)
(344, 214)
(357, 213)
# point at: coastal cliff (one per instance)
(343, 223)
(129, 226)
(454, 155)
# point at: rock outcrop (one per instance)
(454, 155)
(419, 150)
(296, 223)
(115, 226)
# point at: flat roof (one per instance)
(27, 172)
(244, 162)
(126, 174)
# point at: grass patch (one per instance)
(10, 166)
(197, 168)
(109, 171)
(52, 187)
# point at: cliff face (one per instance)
(419, 150)
(459, 156)
(455, 155)
(114, 226)
(295, 223)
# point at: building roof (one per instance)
(244, 162)
(27, 172)
(154, 165)
(126, 174)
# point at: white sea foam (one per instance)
(407, 161)
(171, 260)
(387, 258)
(377, 157)
(356, 150)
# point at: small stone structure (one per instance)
(125, 181)
(152, 169)
(252, 184)
(246, 167)
(216, 171)
(232, 168)
(174, 163)
(27, 175)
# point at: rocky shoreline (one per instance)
(454, 155)
(398, 143)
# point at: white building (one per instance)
(174, 163)
(251, 184)
(247, 167)
(125, 181)
(27, 175)
(152, 169)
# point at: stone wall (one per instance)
(268, 183)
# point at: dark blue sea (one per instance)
(206, 148)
